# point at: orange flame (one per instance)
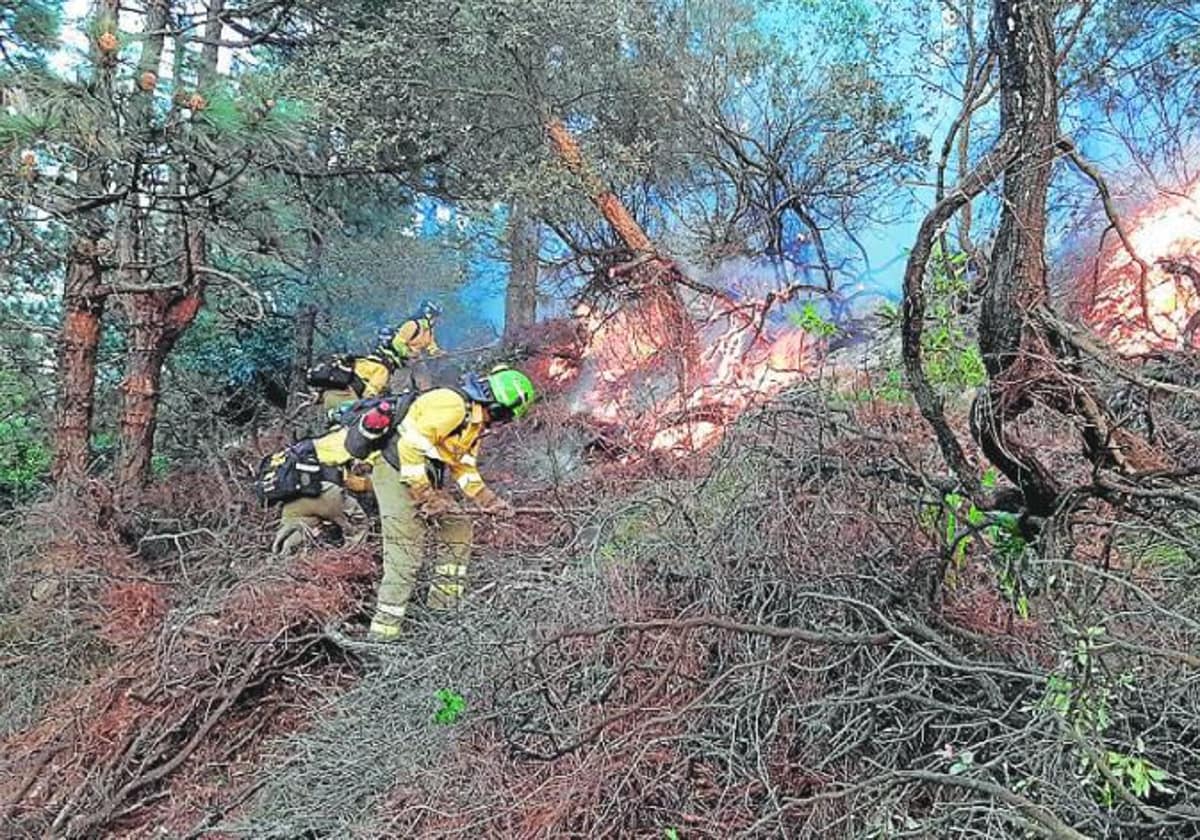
(638, 372)
(1160, 311)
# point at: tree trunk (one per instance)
(667, 324)
(1017, 354)
(84, 298)
(306, 324)
(520, 299)
(609, 205)
(156, 320)
(1022, 30)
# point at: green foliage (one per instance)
(239, 356)
(452, 707)
(29, 29)
(671, 833)
(1138, 773)
(952, 359)
(962, 528)
(812, 322)
(24, 448)
(889, 315)
(1084, 702)
(963, 762)
(160, 465)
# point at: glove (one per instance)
(431, 503)
(356, 482)
(490, 501)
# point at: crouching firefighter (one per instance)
(438, 438)
(342, 378)
(314, 479)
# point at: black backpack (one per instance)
(289, 474)
(359, 442)
(333, 373)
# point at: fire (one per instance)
(674, 385)
(1161, 311)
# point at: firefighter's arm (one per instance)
(465, 473)
(433, 349)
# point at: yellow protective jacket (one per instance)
(331, 448)
(331, 451)
(415, 337)
(440, 425)
(373, 374)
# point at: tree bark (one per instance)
(306, 324)
(610, 206)
(520, 299)
(1017, 355)
(157, 318)
(666, 324)
(84, 298)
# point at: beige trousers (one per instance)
(301, 518)
(406, 538)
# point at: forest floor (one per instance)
(797, 633)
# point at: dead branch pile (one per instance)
(792, 646)
(154, 734)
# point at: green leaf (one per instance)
(453, 705)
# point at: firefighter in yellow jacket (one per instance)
(414, 339)
(343, 456)
(415, 336)
(437, 440)
(372, 374)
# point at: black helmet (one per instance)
(429, 309)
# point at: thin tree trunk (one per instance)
(84, 299)
(520, 300)
(666, 323)
(609, 205)
(306, 324)
(79, 340)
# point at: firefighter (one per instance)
(342, 457)
(371, 377)
(413, 339)
(307, 517)
(438, 439)
(415, 336)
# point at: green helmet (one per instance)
(511, 389)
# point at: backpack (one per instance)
(359, 441)
(333, 373)
(289, 474)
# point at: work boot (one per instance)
(387, 623)
(446, 587)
